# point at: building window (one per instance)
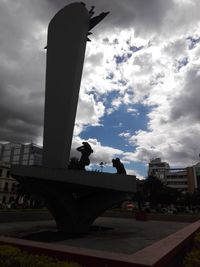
(176, 183)
(16, 151)
(26, 149)
(7, 153)
(6, 159)
(6, 187)
(8, 174)
(4, 199)
(1, 171)
(13, 188)
(25, 157)
(16, 158)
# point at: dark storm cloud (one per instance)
(22, 69)
(21, 117)
(22, 57)
(145, 16)
(186, 105)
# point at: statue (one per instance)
(75, 199)
(86, 151)
(119, 166)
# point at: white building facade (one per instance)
(24, 154)
(158, 168)
(8, 185)
(183, 179)
(10, 153)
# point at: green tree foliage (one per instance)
(192, 259)
(189, 199)
(157, 193)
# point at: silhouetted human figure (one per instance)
(86, 151)
(119, 166)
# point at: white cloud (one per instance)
(154, 75)
(133, 111)
(89, 111)
(101, 153)
(136, 173)
(126, 135)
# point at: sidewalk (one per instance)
(115, 234)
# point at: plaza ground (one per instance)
(119, 235)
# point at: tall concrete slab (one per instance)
(67, 37)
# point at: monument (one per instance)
(74, 197)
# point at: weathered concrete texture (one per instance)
(67, 37)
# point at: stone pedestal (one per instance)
(75, 198)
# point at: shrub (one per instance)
(14, 257)
(197, 240)
(192, 259)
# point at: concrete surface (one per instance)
(127, 235)
(115, 234)
(118, 182)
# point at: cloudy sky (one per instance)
(139, 96)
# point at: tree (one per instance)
(158, 193)
(152, 189)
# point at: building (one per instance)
(177, 178)
(158, 168)
(8, 186)
(183, 179)
(24, 154)
(196, 171)
(10, 153)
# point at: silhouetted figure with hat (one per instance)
(119, 166)
(86, 151)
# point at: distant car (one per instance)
(164, 210)
(130, 206)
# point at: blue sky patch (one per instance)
(182, 62)
(120, 59)
(110, 76)
(135, 48)
(118, 122)
(192, 41)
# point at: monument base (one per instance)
(75, 198)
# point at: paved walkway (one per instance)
(127, 235)
(115, 235)
(19, 228)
